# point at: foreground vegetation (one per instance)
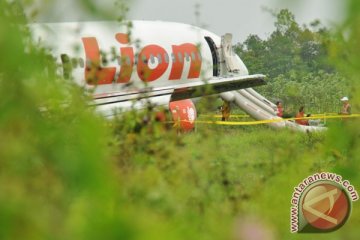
(241, 179)
(68, 174)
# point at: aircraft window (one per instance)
(173, 57)
(74, 62)
(123, 60)
(67, 68)
(159, 58)
(143, 57)
(180, 56)
(187, 57)
(128, 61)
(104, 59)
(81, 62)
(193, 56)
(136, 58)
(166, 57)
(152, 59)
(88, 63)
(113, 54)
(65, 58)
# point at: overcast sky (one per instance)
(239, 17)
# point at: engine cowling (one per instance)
(183, 114)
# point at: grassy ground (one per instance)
(219, 179)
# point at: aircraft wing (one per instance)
(182, 91)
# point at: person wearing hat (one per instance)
(346, 108)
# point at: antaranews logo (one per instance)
(321, 203)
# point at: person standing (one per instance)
(280, 109)
(225, 111)
(346, 108)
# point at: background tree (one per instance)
(296, 60)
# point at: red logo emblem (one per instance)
(325, 207)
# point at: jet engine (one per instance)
(183, 114)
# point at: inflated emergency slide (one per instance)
(259, 108)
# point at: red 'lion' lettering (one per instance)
(148, 54)
(126, 59)
(178, 66)
(94, 73)
(150, 65)
(127, 63)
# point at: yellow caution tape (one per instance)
(247, 116)
(275, 120)
(232, 115)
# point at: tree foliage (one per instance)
(296, 60)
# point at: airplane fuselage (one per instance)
(154, 54)
(119, 61)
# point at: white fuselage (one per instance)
(151, 38)
(113, 58)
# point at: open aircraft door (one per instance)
(228, 55)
